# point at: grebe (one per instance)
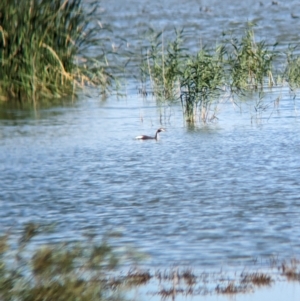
(144, 137)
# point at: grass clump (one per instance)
(162, 64)
(292, 69)
(77, 271)
(259, 279)
(231, 289)
(250, 62)
(43, 47)
(201, 84)
(291, 271)
(237, 65)
(137, 277)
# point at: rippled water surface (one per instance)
(203, 21)
(223, 193)
(209, 195)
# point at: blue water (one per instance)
(222, 193)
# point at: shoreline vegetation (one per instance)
(49, 50)
(44, 49)
(88, 271)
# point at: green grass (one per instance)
(237, 66)
(292, 69)
(43, 46)
(201, 83)
(250, 62)
(162, 64)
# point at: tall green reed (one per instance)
(43, 46)
(163, 63)
(250, 62)
(237, 66)
(201, 84)
(292, 68)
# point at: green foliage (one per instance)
(77, 271)
(201, 83)
(250, 62)
(237, 66)
(292, 70)
(40, 45)
(163, 64)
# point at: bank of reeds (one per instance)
(50, 49)
(44, 48)
(236, 66)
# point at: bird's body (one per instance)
(145, 137)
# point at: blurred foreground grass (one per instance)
(65, 271)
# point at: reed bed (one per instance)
(162, 63)
(250, 62)
(236, 67)
(44, 49)
(201, 83)
(50, 49)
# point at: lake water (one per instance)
(224, 193)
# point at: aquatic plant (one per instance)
(202, 83)
(292, 69)
(250, 62)
(137, 277)
(291, 270)
(235, 68)
(231, 288)
(259, 279)
(44, 49)
(76, 271)
(163, 64)
(87, 270)
(260, 106)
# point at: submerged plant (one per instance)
(201, 84)
(43, 48)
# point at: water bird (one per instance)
(145, 137)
